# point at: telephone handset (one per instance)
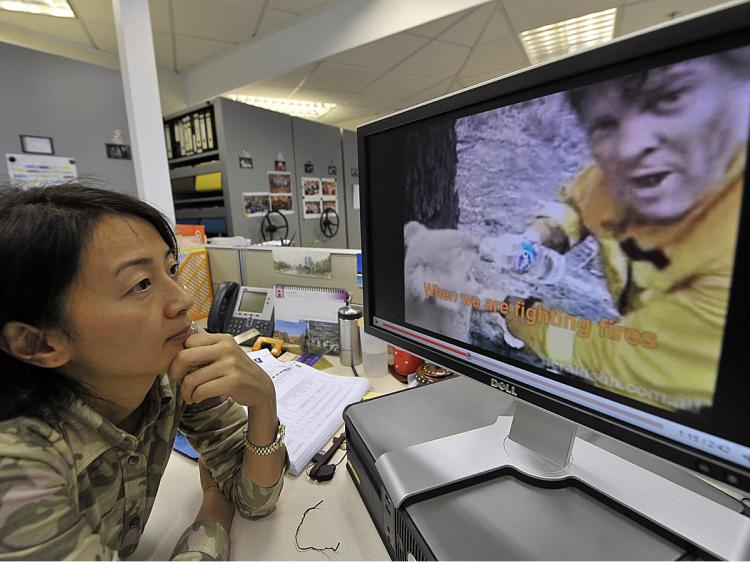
(236, 309)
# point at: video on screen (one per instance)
(591, 232)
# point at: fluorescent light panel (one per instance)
(57, 8)
(297, 108)
(569, 36)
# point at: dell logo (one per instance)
(504, 386)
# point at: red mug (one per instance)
(404, 363)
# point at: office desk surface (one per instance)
(341, 518)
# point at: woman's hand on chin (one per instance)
(215, 365)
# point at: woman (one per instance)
(100, 368)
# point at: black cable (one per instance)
(356, 374)
(342, 459)
(315, 548)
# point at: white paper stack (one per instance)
(310, 403)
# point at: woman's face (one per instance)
(127, 310)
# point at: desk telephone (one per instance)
(236, 309)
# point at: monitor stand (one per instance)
(544, 446)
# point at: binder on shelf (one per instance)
(168, 140)
(191, 134)
(210, 130)
(197, 140)
(202, 128)
(208, 182)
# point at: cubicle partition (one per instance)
(253, 266)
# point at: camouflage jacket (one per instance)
(83, 488)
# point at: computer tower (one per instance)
(502, 515)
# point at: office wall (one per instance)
(254, 268)
(77, 104)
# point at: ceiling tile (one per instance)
(264, 91)
(352, 124)
(191, 51)
(429, 94)
(292, 78)
(340, 77)
(159, 11)
(528, 14)
(500, 54)
(497, 28)
(375, 101)
(382, 54)
(103, 35)
(436, 27)
(63, 28)
(400, 85)
(220, 20)
(322, 96)
(467, 81)
(345, 112)
(93, 10)
(163, 50)
(273, 20)
(467, 30)
(297, 6)
(437, 60)
(640, 16)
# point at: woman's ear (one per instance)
(43, 348)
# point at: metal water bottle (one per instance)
(351, 347)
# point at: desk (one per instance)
(342, 517)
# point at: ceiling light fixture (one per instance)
(569, 36)
(57, 8)
(296, 108)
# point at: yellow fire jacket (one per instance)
(671, 283)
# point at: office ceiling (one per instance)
(370, 80)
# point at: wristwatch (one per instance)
(270, 448)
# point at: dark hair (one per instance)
(736, 61)
(43, 232)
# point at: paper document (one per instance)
(310, 403)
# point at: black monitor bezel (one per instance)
(714, 28)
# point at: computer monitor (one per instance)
(576, 234)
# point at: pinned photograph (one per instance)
(279, 182)
(255, 204)
(309, 167)
(329, 204)
(312, 209)
(246, 162)
(323, 337)
(311, 187)
(329, 186)
(282, 203)
(332, 170)
(292, 333)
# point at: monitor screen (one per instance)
(580, 235)
(252, 301)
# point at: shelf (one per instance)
(195, 158)
(200, 212)
(211, 199)
(191, 171)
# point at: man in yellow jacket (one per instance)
(663, 201)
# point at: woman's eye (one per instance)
(174, 270)
(141, 286)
